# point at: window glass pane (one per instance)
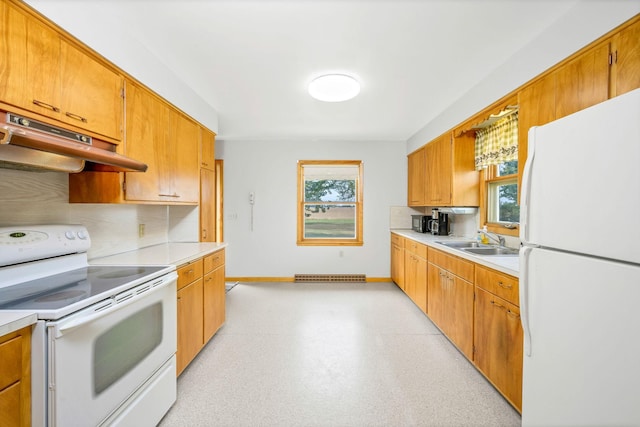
(503, 202)
(330, 221)
(330, 183)
(508, 168)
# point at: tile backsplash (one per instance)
(28, 198)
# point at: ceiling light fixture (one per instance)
(334, 88)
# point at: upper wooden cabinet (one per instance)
(416, 174)
(625, 59)
(168, 142)
(163, 138)
(43, 73)
(207, 148)
(583, 81)
(439, 179)
(442, 173)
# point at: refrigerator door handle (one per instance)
(525, 194)
(524, 297)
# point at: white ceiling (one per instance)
(251, 60)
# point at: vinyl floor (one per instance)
(332, 354)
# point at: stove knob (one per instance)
(69, 235)
(82, 235)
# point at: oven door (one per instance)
(102, 358)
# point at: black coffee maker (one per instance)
(439, 223)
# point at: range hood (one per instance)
(31, 145)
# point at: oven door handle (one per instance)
(110, 306)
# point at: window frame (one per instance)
(489, 176)
(306, 241)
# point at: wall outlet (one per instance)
(140, 230)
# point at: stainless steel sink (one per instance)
(460, 244)
(492, 251)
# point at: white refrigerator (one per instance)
(580, 268)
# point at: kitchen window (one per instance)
(497, 158)
(330, 203)
(502, 193)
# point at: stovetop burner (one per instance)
(60, 290)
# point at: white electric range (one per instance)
(103, 347)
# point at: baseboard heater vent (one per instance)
(361, 278)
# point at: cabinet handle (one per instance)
(168, 195)
(503, 286)
(76, 117)
(512, 314)
(495, 304)
(204, 233)
(45, 105)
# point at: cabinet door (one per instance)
(144, 140)
(537, 106)
(416, 174)
(15, 378)
(91, 93)
(420, 295)
(584, 81)
(207, 148)
(13, 50)
(626, 60)
(181, 170)
(30, 70)
(498, 344)
(410, 274)
(214, 302)
(397, 265)
(438, 181)
(436, 291)
(207, 205)
(190, 324)
(459, 306)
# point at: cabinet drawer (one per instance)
(397, 240)
(10, 406)
(500, 284)
(11, 357)
(416, 248)
(189, 273)
(458, 266)
(213, 261)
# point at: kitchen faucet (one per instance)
(498, 238)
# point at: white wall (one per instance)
(270, 170)
(584, 23)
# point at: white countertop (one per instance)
(163, 254)
(506, 264)
(11, 321)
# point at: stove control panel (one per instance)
(35, 242)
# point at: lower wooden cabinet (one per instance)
(474, 306)
(498, 333)
(201, 305)
(214, 294)
(397, 260)
(15, 378)
(190, 324)
(415, 273)
(450, 298)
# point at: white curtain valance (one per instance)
(497, 143)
